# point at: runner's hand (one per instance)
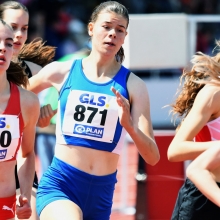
(23, 210)
(46, 113)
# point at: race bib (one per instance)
(9, 136)
(90, 115)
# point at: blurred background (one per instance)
(63, 24)
(163, 35)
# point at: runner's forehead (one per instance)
(6, 32)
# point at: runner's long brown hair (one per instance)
(205, 68)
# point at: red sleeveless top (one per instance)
(210, 132)
(10, 136)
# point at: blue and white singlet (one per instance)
(88, 112)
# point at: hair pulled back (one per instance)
(11, 5)
(112, 6)
(37, 52)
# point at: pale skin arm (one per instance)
(26, 166)
(206, 105)
(46, 112)
(51, 75)
(138, 122)
(200, 173)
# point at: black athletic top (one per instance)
(26, 69)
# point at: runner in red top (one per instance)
(19, 111)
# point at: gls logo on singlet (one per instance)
(89, 99)
(5, 138)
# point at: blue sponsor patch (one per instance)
(3, 154)
(88, 130)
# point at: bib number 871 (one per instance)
(80, 116)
